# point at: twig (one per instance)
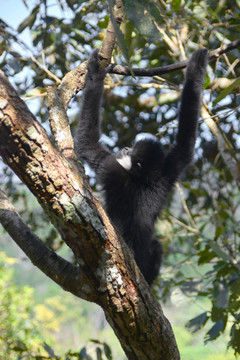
(185, 226)
(51, 75)
(185, 205)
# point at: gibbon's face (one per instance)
(128, 159)
(124, 158)
(145, 157)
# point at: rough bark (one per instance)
(111, 277)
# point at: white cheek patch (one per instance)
(125, 162)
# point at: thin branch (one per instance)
(69, 277)
(185, 226)
(224, 146)
(123, 70)
(42, 67)
(185, 206)
(73, 81)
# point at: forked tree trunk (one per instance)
(107, 273)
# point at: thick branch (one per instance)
(72, 83)
(59, 124)
(108, 42)
(69, 277)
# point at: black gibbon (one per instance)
(137, 180)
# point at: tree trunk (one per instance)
(107, 273)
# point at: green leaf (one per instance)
(95, 341)
(215, 331)
(49, 350)
(207, 81)
(99, 353)
(176, 4)
(118, 32)
(141, 15)
(19, 346)
(103, 22)
(227, 91)
(219, 252)
(235, 337)
(198, 321)
(152, 8)
(83, 354)
(219, 231)
(29, 21)
(107, 351)
(206, 255)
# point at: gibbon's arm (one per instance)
(88, 131)
(182, 153)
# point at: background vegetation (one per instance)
(200, 227)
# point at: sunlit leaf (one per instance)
(176, 4)
(227, 91)
(36, 92)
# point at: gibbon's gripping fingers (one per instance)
(94, 72)
(196, 68)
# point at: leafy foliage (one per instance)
(18, 328)
(20, 325)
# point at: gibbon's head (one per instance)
(146, 156)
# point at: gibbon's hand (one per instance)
(197, 65)
(94, 73)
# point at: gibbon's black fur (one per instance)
(137, 180)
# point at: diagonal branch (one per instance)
(68, 276)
